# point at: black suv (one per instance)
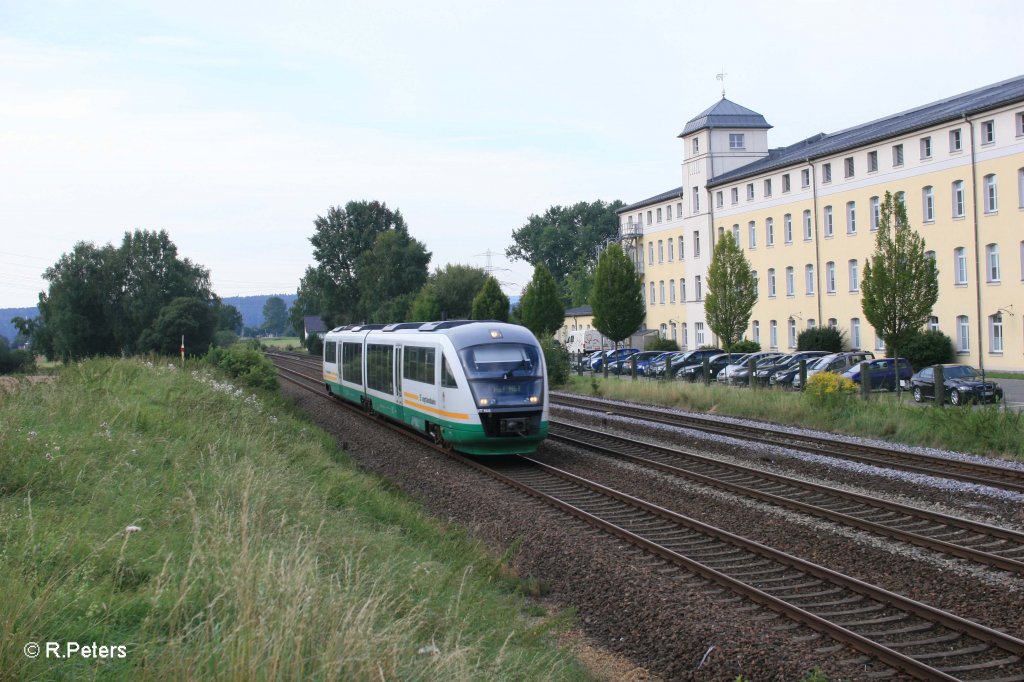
(694, 357)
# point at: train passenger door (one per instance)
(448, 383)
(398, 375)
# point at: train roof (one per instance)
(461, 332)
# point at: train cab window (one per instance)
(418, 364)
(331, 352)
(380, 374)
(447, 378)
(352, 362)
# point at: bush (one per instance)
(558, 362)
(315, 344)
(659, 343)
(245, 363)
(14, 360)
(829, 389)
(224, 338)
(927, 349)
(744, 346)
(828, 339)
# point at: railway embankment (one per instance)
(159, 522)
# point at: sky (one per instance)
(233, 125)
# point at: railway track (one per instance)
(971, 472)
(978, 542)
(919, 640)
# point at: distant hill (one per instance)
(7, 329)
(251, 308)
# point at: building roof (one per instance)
(313, 323)
(929, 115)
(725, 114)
(676, 193)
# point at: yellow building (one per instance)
(806, 217)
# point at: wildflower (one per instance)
(49, 457)
(32, 434)
(128, 530)
(273, 419)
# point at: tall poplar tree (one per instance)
(541, 306)
(732, 292)
(491, 303)
(900, 283)
(615, 298)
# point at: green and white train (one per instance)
(478, 387)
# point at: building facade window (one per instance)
(650, 220)
(848, 166)
(698, 333)
(791, 325)
(773, 334)
(736, 234)
(805, 178)
(682, 248)
(928, 204)
(696, 200)
(719, 199)
(659, 215)
(960, 266)
(768, 187)
(826, 173)
(809, 278)
(956, 141)
(771, 282)
(737, 141)
(755, 333)
(854, 274)
(830, 277)
(851, 217)
(785, 183)
(672, 291)
(696, 244)
(653, 299)
(808, 232)
(696, 146)
(668, 212)
(698, 293)
(750, 191)
(790, 281)
(872, 162)
(828, 223)
(963, 334)
(926, 148)
(876, 212)
(661, 251)
(992, 262)
(855, 332)
(661, 292)
(958, 199)
(752, 234)
(671, 250)
(991, 194)
(988, 132)
(650, 253)
(734, 194)
(995, 330)
(787, 228)
(1020, 187)
(933, 324)
(897, 155)
(769, 232)
(682, 290)
(686, 336)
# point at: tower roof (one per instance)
(725, 114)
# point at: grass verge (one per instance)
(214, 534)
(989, 430)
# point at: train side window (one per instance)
(331, 352)
(380, 375)
(418, 364)
(352, 362)
(447, 378)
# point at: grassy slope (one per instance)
(988, 430)
(262, 553)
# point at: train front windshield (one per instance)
(504, 375)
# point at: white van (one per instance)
(585, 341)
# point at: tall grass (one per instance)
(260, 552)
(989, 430)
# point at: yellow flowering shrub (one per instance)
(829, 388)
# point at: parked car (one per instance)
(643, 360)
(695, 372)
(963, 384)
(741, 376)
(765, 374)
(691, 357)
(740, 363)
(658, 367)
(837, 363)
(611, 356)
(883, 373)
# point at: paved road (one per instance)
(1013, 391)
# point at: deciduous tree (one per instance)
(491, 303)
(389, 274)
(900, 283)
(732, 292)
(616, 298)
(275, 315)
(541, 306)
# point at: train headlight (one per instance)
(534, 399)
(484, 402)
(495, 334)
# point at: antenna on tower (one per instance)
(721, 77)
